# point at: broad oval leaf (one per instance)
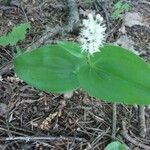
(50, 68)
(115, 146)
(117, 75)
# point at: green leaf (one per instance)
(50, 68)
(18, 33)
(118, 5)
(117, 75)
(116, 14)
(72, 47)
(115, 146)
(125, 7)
(3, 41)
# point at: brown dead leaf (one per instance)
(126, 42)
(133, 18)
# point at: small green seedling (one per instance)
(115, 146)
(18, 33)
(119, 8)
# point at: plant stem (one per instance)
(88, 57)
(114, 120)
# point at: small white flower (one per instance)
(92, 35)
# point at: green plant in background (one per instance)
(119, 8)
(17, 34)
(115, 146)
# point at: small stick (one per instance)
(4, 8)
(114, 120)
(49, 138)
(142, 125)
(128, 138)
(11, 131)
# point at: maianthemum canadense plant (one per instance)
(105, 71)
(110, 72)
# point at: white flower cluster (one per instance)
(92, 35)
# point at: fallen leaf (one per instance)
(133, 18)
(126, 42)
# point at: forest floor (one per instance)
(34, 120)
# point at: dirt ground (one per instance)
(34, 120)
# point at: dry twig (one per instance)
(4, 8)
(142, 125)
(102, 5)
(134, 141)
(114, 120)
(49, 138)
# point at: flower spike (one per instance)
(92, 35)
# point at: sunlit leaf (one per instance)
(50, 68)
